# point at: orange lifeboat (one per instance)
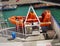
(46, 18)
(17, 20)
(32, 17)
